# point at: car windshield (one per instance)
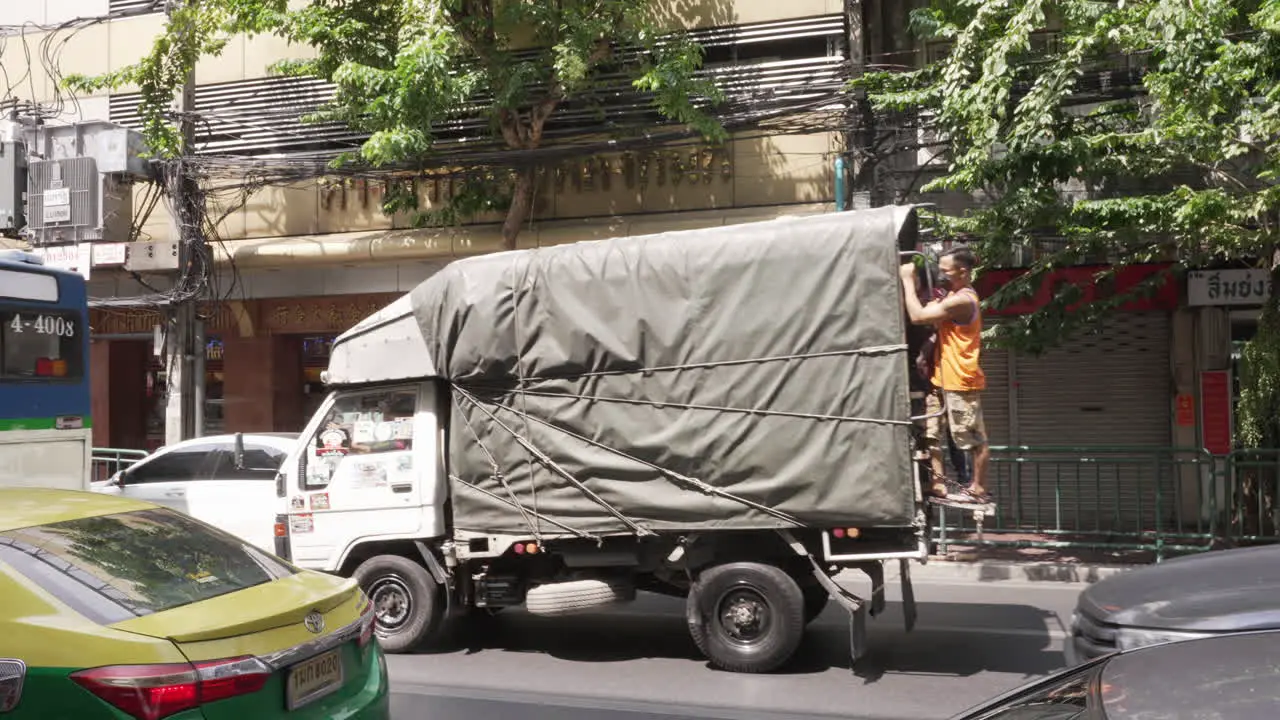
(1065, 697)
(114, 567)
(1234, 677)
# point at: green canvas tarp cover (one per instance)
(738, 377)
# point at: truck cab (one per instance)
(369, 468)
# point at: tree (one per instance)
(406, 71)
(1150, 132)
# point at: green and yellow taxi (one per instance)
(114, 608)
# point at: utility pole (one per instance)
(184, 410)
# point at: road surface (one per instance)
(973, 640)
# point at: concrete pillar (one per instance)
(262, 383)
(118, 387)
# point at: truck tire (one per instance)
(408, 602)
(574, 596)
(746, 617)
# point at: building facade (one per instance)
(299, 263)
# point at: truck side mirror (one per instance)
(239, 452)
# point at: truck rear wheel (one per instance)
(407, 601)
(746, 617)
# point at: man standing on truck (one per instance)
(957, 373)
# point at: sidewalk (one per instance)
(1000, 564)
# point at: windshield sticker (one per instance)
(384, 431)
(404, 429)
(363, 433)
(333, 442)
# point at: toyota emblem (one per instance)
(314, 622)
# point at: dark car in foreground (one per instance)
(1230, 677)
(1197, 596)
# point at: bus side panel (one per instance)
(46, 458)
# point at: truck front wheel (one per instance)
(746, 617)
(407, 601)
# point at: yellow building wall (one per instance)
(745, 172)
(122, 42)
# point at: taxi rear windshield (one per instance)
(113, 568)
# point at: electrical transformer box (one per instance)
(13, 181)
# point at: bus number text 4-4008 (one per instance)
(43, 325)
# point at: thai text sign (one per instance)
(1228, 287)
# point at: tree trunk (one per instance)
(521, 206)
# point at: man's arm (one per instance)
(951, 306)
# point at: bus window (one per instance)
(38, 344)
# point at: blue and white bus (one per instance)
(45, 425)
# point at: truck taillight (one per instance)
(152, 692)
(281, 539)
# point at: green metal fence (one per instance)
(1106, 498)
(108, 461)
(1253, 477)
(1114, 498)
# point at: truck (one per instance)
(720, 415)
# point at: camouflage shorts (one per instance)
(963, 418)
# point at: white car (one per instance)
(227, 481)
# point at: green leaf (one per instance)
(1179, 165)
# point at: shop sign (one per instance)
(218, 318)
(1092, 288)
(1186, 410)
(318, 315)
(1241, 286)
(1215, 411)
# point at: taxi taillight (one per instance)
(367, 619)
(152, 692)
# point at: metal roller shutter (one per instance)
(1105, 388)
(995, 399)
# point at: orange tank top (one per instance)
(955, 365)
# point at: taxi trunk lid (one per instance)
(300, 644)
(278, 605)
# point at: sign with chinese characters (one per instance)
(601, 173)
(1215, 411)
(218, 318)
(306, 315)
(332, 314)
(1250, 286)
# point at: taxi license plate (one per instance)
(313, 679)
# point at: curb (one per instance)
(1017, 571)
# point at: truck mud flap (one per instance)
(856, 606)
(438, 574)
(908, 594)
